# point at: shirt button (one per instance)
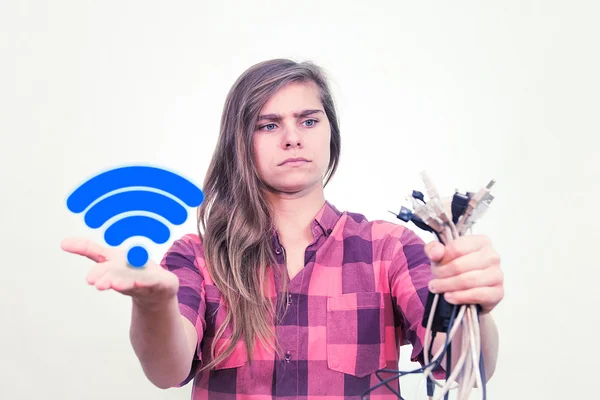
(288, 356)
(278, 250)
(289, 299)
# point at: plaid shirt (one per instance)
(359, 297)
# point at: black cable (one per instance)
(482, 368)
(429, 383)
(435, 363)
(448, 367)
(483, 377)
(460, 202)
(419, 196)
(407, 215)
(398, 374)
(459, 205)
(386, 383)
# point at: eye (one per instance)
(267, 127)
(310, 122)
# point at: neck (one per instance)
(293, 214)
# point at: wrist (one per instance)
(148, 304)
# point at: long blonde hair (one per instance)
(235, 216)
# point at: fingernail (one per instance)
(432, 251)
(432, 288)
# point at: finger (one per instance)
(105, 282)
(85, 247)
(487, 297)
(144, 284)
(124, 278)
(473, 261)
(140, 291)
(469, 280)
(97, 272)
(122, 285)
(435, 251)
(464, 245)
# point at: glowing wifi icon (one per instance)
(124, 191)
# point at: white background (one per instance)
(468, 91)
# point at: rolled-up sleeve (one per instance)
(185, 258)
(409, 274)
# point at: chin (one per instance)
(294, 187)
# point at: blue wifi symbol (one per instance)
(135, 200)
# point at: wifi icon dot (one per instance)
(142, 192)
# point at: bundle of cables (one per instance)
(448, 220)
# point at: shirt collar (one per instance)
(323, 223)
(326, 218)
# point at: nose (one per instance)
(292, 139)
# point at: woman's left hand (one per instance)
(467, 271)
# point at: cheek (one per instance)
(257, 147)
(261, 154)
(257, 153)
(324, 147)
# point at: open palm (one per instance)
(150, 285)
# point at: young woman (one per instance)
(280, 294)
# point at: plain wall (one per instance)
(468, 91)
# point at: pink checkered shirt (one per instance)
(359, 297)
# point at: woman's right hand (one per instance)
(150, 287)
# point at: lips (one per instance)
(294, 160)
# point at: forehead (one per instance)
(293, 97)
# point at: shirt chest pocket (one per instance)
(238, 358)
(356, 333)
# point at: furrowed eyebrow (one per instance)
(277, 117)
(269, 117)
(306, 113)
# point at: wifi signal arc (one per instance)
(134, 201)
(132, 176)
(136, 225)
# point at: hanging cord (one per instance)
(447, 221)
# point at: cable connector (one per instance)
(430, 387)
(448, 220)
(432, 192)
(428, 218)
(419, 196)
(478, 205)
(442, 316)
(460, 202)
(405, 214)
(408, 215)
